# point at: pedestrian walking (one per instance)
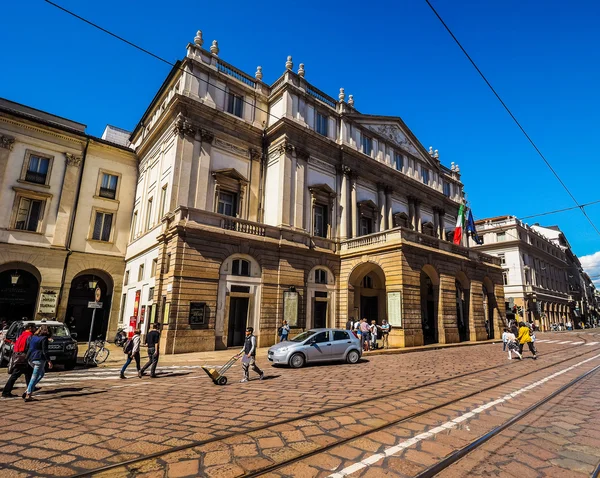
(512, 345)
(385, 332)
(283, 331)
(248, 354)
(152, 341)
(350, 323)
(373, 331)
(504, 339)
(37, 356)
(132, 349)
(364, 334)
(524, 337)
(18, 362)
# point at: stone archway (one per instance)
(429, 286)
(78, 316)
(366, 292)
(462, 285)
(19, 291)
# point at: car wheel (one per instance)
(353, 356)
(297, 361)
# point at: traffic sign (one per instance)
(94, 305)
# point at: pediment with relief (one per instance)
(395, 135)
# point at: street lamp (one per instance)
(14, 278)
(92, 283)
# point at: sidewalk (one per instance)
(219, 357)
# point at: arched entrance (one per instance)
(462, 306)
(79, 317)
(19, 289)
(366, 293)
(429, 304)
(489, 303)
(238, 302)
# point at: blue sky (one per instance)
(394, 57)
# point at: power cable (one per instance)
(158, 57)
(559, 210)
(511, 115)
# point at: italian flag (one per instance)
(460, 225)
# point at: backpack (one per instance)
(280, 331)
(128, 347)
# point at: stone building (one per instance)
(66, 202)
(537, 269)
(260, 202)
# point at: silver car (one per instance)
(317, 345)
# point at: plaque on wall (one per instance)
(198, 316)
(48, 299)
(394, 309)
(290, 308)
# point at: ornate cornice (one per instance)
(285, 148)
(183, 126)
(206, 136)
(73, 160)
(7, 142)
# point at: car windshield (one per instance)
(59, 331)
(303, 336)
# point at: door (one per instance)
(369, 308)
(318, 347)
(341, 342)
(238, 317)
(320, 314)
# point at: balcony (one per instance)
(249, 230)
(399, 236)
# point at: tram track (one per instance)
(397, 393)
(464, 451)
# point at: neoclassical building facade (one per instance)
(66, 202)
(257, 203)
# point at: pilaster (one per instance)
(382, 208)
(6, 146)
(67, 199)
(354, 206)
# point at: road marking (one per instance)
(371, 460)
(565, 342)
(578, 343)
(593, 343)
(551, 341)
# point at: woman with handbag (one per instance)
(18, 365)
(37, 356)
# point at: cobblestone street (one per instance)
(390, 415)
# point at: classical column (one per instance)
(442, 226)
(67, 199)
(389, 205)
(204, 170)
(6, 146)
(382, 209)
(354, 206)
(418, 220)
(436, 230)
(344, 204)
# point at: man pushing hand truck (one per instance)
(248, 354)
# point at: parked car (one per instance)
(62, 347)
(316, 345)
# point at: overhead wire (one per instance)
(487, 82)
(172, 64)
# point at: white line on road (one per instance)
(448, 425)
(593, 343)
(565, 342)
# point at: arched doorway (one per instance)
(489, 304)
(238, 300)
(429, 303)
(366, 293)
(79, 317)
(19, 289)
(462, 306)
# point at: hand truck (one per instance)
(218, 376)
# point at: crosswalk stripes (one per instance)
(592, 343)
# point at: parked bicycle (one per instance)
(97, 353)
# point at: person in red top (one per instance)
(19, 370)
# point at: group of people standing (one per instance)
(515, 337)
(29, 358)
(370, 333)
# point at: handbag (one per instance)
(17, 360)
